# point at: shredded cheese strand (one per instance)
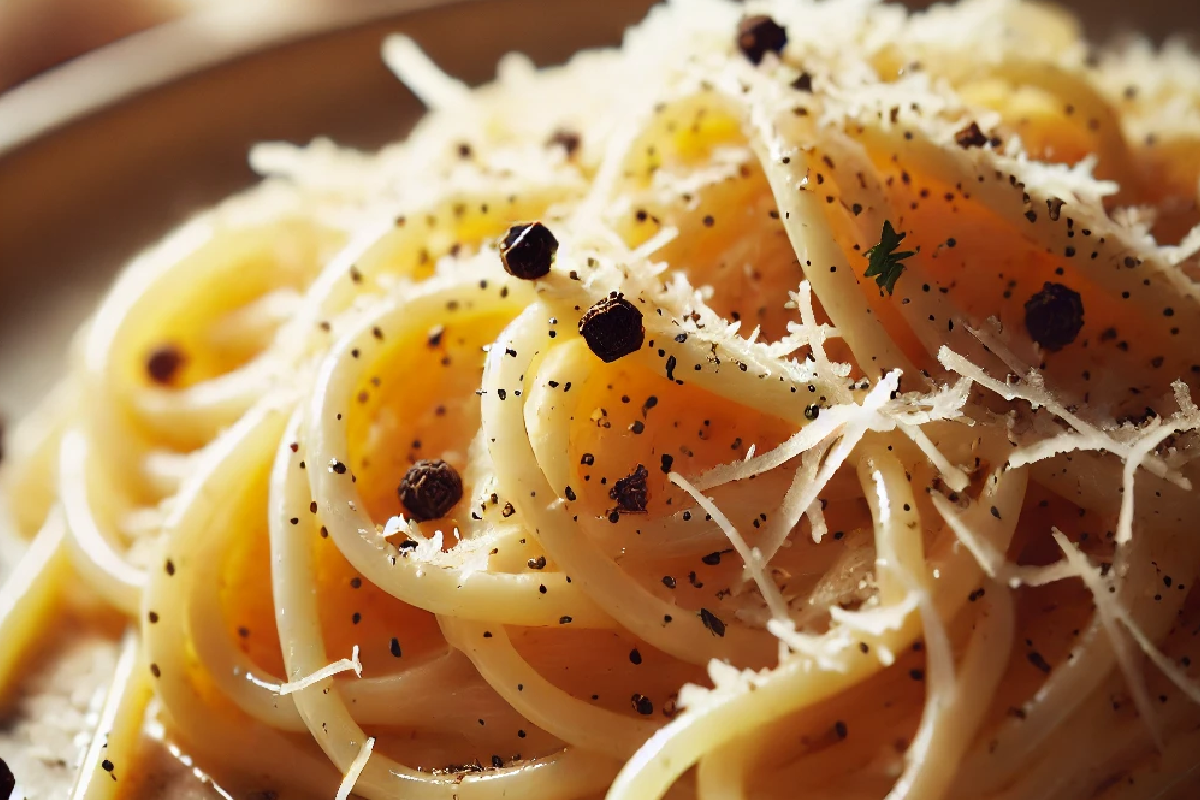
(351, 664)
(356, 768)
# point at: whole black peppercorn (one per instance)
(612, 328)
(758, 35)
(164, 363)
(528, 251)
(630, 492)
(8, 783)
(430, 489)
(811, 412)
(1054, 316)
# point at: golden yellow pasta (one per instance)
(794, 402)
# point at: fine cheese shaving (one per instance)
(750, 557)
(351, 664)
(355, 770)
(435, 88)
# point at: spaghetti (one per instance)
(794, 402)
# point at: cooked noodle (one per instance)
(843, 522)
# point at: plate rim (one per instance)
(171, 51)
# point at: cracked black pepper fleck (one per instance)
(712, 622)
(1054, 207)
(630, 492)
(569, 140)
(1038, 661)
(970, 136)
(164, 362)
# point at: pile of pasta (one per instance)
(796, 401)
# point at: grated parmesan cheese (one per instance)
(356, 767)
(351, 664)
(425, 79)
(1110, 611)
(752, 559)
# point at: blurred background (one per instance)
(37, 34)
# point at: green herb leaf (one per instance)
(883, 262)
